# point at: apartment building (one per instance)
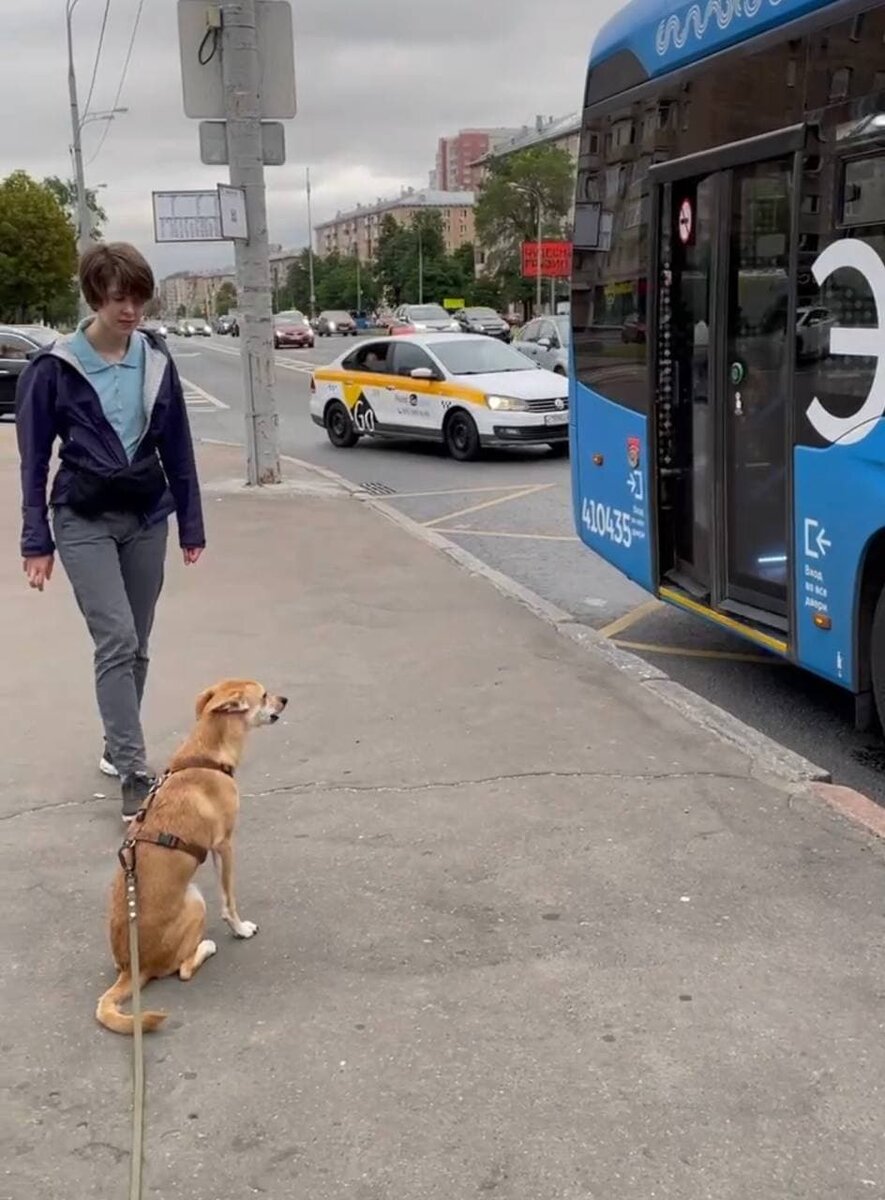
(356, 232)
(194, 291)
(456, 157)
(561, 132)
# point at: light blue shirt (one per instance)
(120, 386)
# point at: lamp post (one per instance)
(535, 195)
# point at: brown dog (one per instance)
(197, 805)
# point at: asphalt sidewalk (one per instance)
(525, 932)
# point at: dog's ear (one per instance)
(230, 704)
(227, 702)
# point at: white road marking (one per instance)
(302, 365)
(199, 400)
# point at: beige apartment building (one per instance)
(356, 232)
(195, 291)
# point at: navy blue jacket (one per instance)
(55, 401)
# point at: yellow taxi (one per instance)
(465, 391)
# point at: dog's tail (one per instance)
(109, 1015)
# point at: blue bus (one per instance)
(728, 313)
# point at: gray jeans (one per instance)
(115, 565)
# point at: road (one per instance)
(513, 510)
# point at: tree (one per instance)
(65, 192)
(38, 255)
(181, 312)
(507, 210)
(225, 299)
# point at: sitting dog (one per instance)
(192, 812)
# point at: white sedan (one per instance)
(467, 391)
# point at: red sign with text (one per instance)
(556, 260)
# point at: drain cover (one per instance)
(378, 489)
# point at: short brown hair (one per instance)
(110, 267)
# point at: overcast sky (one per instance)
(378, 82)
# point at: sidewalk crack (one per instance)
(325, 785)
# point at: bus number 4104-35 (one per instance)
(607, 522)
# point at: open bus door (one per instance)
(723, 317)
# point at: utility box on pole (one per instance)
(237, 63)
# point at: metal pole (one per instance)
(241, 73)
(313, 298)
(84, 224)
(420, 266)
(540, 238)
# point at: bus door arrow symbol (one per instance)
(816, 541)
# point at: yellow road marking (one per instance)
(684, 652)
(463, 512)
(747, 631)
(539, 537)
(636, 614)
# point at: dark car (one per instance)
(292, 329)
(634, 329)
(224, 325)
(18, 345)
(483, 320)
(334, 321)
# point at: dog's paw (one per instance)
(245, 929)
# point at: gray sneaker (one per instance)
(136, 788)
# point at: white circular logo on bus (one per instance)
(865, 342)
(686, 222)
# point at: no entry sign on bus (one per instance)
(556, 260)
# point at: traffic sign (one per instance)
(214, 150)
(200, 46)
(686, 222)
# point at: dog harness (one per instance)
(170, 841)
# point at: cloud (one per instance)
(378, 82)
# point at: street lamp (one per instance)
(535, 195)
(84, 221)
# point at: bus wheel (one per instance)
(339, 426)
(877, 658)
(461, 436)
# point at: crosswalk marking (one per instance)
(199, 400)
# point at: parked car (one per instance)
(465, 390)
(334, 321)
(546, 342)
(18, 345)
(292, 329)
(813, 328)
(483, 320)
(423, 318)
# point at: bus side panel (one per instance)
(610, 473)
(839, 506)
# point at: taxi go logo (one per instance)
(852, 254)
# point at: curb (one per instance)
(768, 756)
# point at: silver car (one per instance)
(546, 341)
(424, 318)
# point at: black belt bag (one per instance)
(137, 488)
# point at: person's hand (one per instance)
(191, 555)
(38, 570)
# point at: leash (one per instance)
(127, 862)
(137, 1156)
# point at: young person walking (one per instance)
(111, 396)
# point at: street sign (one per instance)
(556, 260)
(213, 143)
(686, 222)
(187, 217)
(232, 207)
(200, 45)
(216, 216)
